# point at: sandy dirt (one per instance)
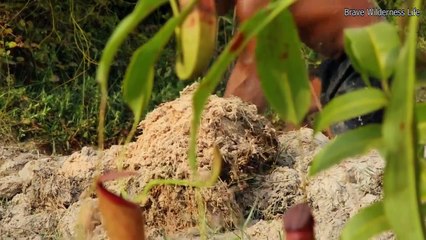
(264, 171)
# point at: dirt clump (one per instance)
(340, 192)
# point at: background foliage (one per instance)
(48, 57)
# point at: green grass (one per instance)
(50, 96)
(47, 91)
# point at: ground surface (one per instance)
(48, 197)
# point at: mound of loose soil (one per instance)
(264, 172)
(248, 145)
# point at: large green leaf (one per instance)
(248, 30)
(421, 134)
(282, 70)
(373, 50)
(138, 81)
(350, 105)
(367, 223)
(421, 122)
(346, 145)
(401, 186)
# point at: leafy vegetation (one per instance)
(48, 58)
(396, 138)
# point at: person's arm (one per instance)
(320, 22)
(244, 82)
(320, 25)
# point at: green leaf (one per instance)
(138, 81)
(126, 26)
(248, 30)
(423, 180)
(368, 51)
(346, 145)
(421, 122)
(401, 187)
(367, 223)
(350, 105)
(11, 44)
(282, 70)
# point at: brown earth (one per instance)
(264, 171)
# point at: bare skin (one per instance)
(320, 27)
